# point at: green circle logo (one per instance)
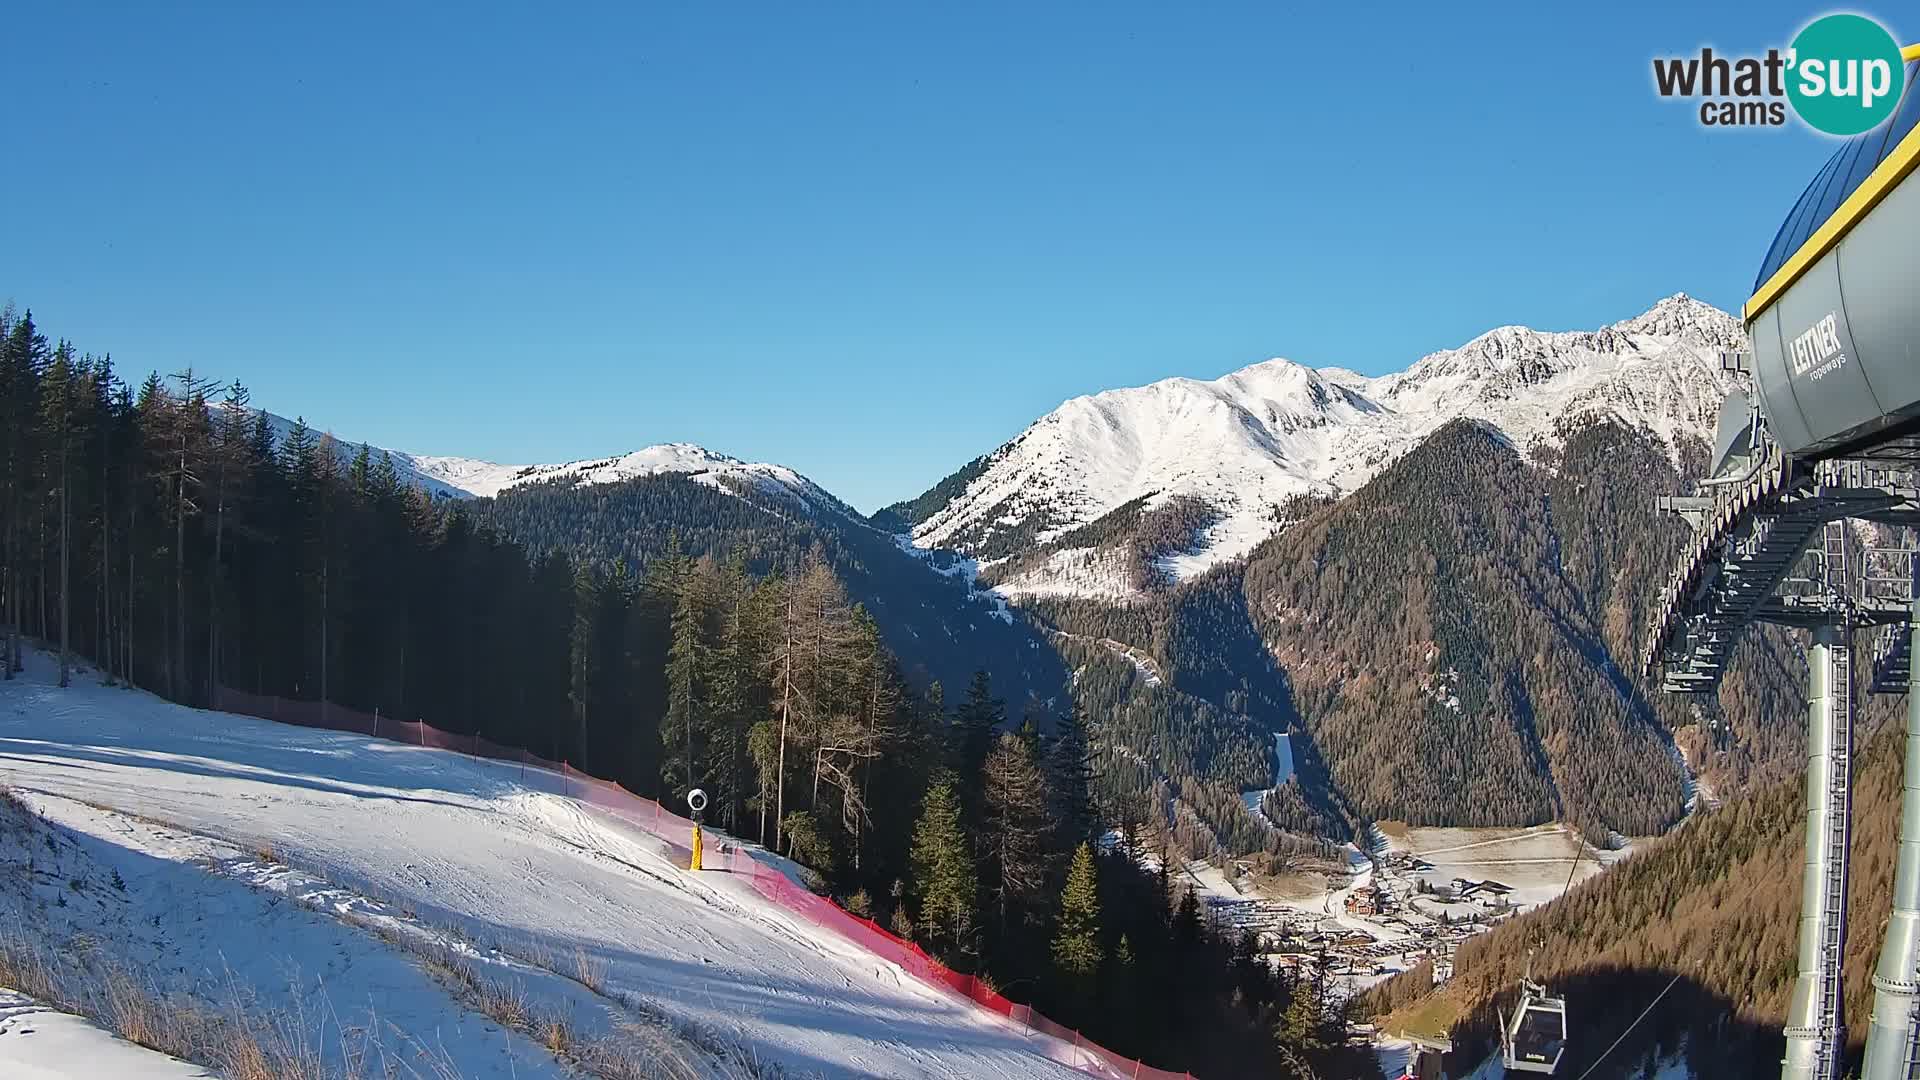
(1845, 74)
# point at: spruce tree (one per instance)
(974, 727)
(21, 362)
(57, 399)
(1121, 988)
(943, 875)
(1070, 778)
(583, 648)
(1076, 940)
(688, 663)
(1013, 826)
(385, 481)
(1302, 1026)
(739, 687)
(230, 461)
(1187, 926)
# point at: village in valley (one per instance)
(1412, 898)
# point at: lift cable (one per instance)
(1579, 841)
(1630, 1027)
(1579, 849)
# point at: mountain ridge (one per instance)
(1251, 440)
(453, 476)
(1243, 444)
(1210, 474)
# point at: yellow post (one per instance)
(696, 849)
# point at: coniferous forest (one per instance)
(160, 533)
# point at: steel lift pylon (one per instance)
(1772, 545)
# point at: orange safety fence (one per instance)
(1074, 1050)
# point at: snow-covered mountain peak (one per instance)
(1682, 317)
(704, 466)
(1247, 442)
(1281, 381)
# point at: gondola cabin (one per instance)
(1535, 1038)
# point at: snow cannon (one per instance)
(696, 802)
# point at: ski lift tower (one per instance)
(1831, 433)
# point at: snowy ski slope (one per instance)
(39, 1043)
(471, 845)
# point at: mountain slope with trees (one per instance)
(1459, 635)
(1716, 904)
(167, 533)
(940, 627)
(1447, 645)
(1236, 449)
(1446, 631)
(1446, 663)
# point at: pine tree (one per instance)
(59, 391)
(900, 922)
(1302, 1026)
(739, 686)
(582, 653)
(1013, 826)
(385, 481)
(1076, 940)
(943, 876)
(21, 361)
(688, 664)
(1070, 778)
(230, 463)
(183, 435)
(1187, 927)
(975, 724)
(808, 843)
(326, 532)
(106, 420)
(1121, 989)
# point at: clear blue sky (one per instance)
(869, 241)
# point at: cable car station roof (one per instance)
(1854, 180)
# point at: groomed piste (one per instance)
(511, 848)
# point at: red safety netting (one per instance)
(719, 853)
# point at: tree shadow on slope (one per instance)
(1702, 1028)
(206, 768)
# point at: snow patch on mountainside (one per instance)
(1247, 442)
(948, 564)
(1072, 572)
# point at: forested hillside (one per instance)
(1448, 645)
(934, 622)
(1717, 903)
(1446, 620)
(1458, 635)
(1603, 490)
(1446, 662)
(167, 536)
(1193, 700)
